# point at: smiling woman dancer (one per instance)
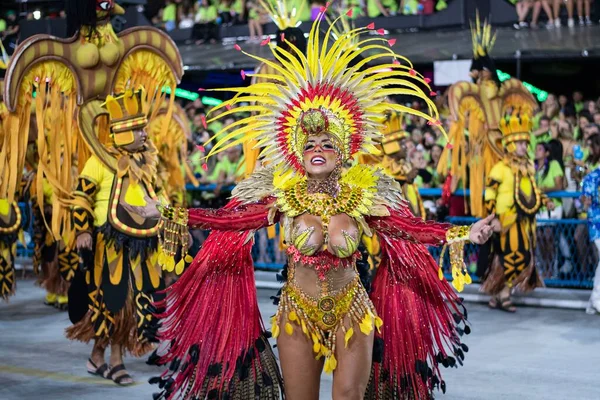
(315, 117)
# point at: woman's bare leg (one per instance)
(557, 8)
(548, 11)
(301, 372)
(537, 7)
(570, 8)
(351, 377)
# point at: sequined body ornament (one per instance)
(321, 318)
(323, 262)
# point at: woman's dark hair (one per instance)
(555, 149)
(593, 158)
(546, 166)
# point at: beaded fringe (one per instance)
(361, 312)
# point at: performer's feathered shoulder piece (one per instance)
(366, 190)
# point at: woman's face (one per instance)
(551, 100)
(417, 160)
(591, 106)
(562, 100)
(319, 156)
(583, 122)
(540, 152)
(436, 153)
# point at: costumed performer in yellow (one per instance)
(507, 262)
(119, 250)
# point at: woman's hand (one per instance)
(482, 230)
(149, 211)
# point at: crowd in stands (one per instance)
(552, 9)
(204, 16)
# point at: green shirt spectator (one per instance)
(374, 10)
(206, 14)
(548, 181)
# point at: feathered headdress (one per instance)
(319, 92)
(483, 43)
(482, 38)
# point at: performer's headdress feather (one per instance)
(319, 93)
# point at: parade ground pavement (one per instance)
(537, 353)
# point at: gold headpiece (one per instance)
(128, 113)
(516, 126)
(481, 36)
(320, 92)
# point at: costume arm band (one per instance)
(83, 220)
(455, 245)
(491, 192)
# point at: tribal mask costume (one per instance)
(512, 194)
(478, 108)
(218, 345)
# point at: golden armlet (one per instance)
(455, 241)
(173, 236)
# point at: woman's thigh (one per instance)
(351, 376)
(301, 371)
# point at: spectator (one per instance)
(549, 175)
(580, 12)
(230, 11)
(578, 103)
(257, 17)
(543, 133)
(583, 121)
(550, 107)
(376, 8)
(205, 26)
(591, 107)
(523, 8)
(597, 118)
(169, 15)
(10, 36)
(186, 18)
(590, 130)
(569, 6)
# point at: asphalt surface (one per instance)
(537, 353)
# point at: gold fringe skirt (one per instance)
(321, 318)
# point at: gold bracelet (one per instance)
(174, 235)
(455, 241)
